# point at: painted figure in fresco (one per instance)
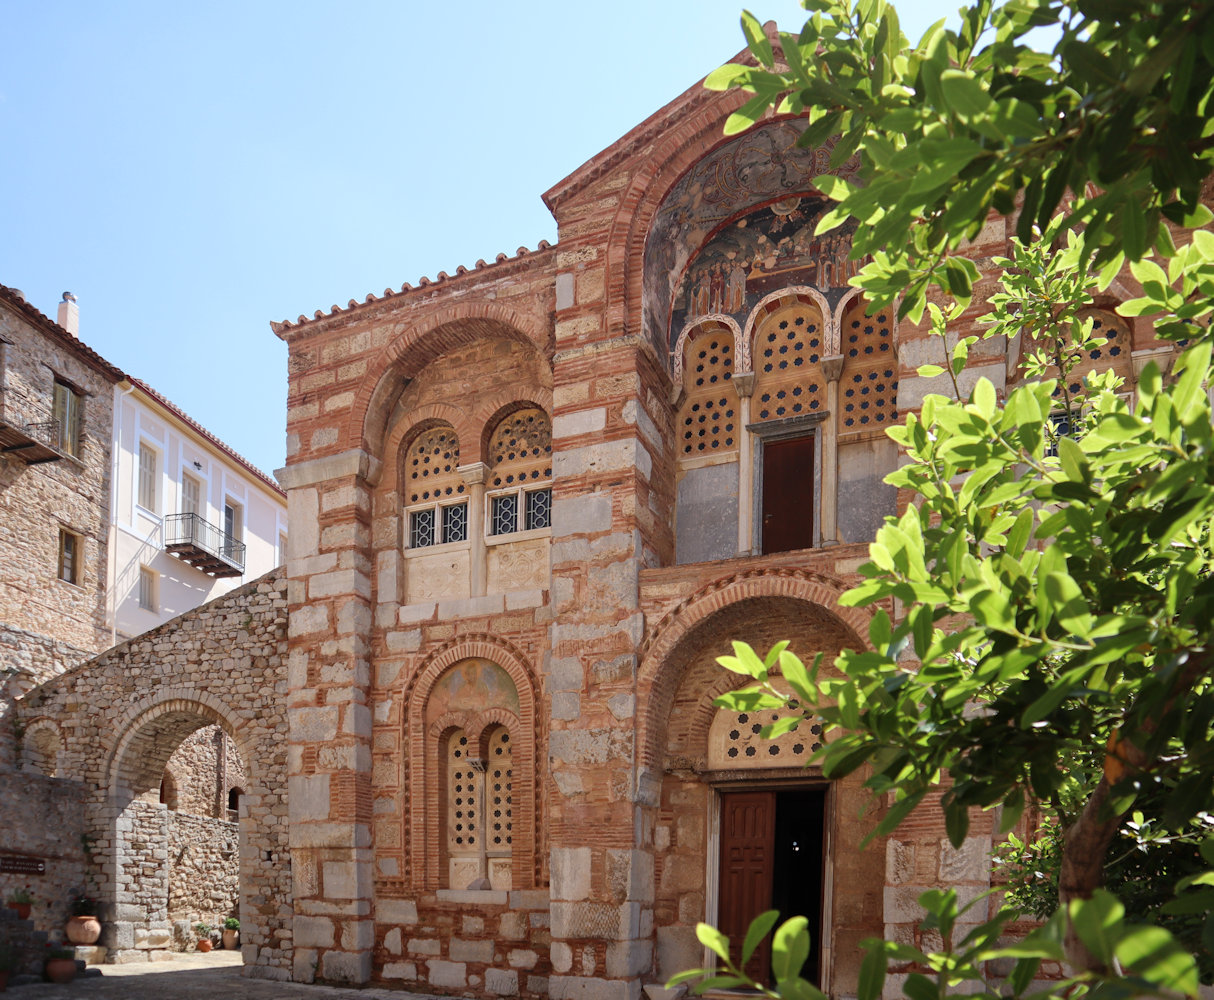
(736, 290)
(699, 293)
(717, 286)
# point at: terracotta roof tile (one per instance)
(422, 282)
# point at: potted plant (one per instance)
(83, 927)
(231, 933)
(21, 900)
(204, 936)
(60, 964)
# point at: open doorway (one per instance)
(773, 856)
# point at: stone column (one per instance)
(832, 368)
(329, 715)
(482, 844)
(478, 565)
(744, 386)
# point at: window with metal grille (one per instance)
(520, 510)
(438, 525)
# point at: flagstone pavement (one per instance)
(191, 976)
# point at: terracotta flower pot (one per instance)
(60, 970)
(83, 930)
(23, 910)
(204, 944)
(230, 939)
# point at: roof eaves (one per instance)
(194, 425)
(424, 282)
(60, 335)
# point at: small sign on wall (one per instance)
(17, 865)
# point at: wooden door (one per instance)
(748, 832)
(788, 494)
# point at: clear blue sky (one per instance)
(193, 171)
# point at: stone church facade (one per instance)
(530, 503)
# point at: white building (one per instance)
(189, 518)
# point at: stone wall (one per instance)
(120, 718)
(204, 870)
(45, 821)
(202, 771)
(71, 493)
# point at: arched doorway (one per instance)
(168, 853)
(742, 825)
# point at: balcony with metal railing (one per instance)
(31, 441)
(203, 545)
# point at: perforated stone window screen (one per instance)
(430, 467)
(499, 777)
(462, 782)
(520, 449)
(707, 420)
(788, 353)
(868, 388)
(734, 740)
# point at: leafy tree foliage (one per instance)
(1056, 589)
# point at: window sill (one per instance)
(150, 515)
(426, 550)
(518, 536)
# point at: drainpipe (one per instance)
(112, 545)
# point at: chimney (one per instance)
(69, 314)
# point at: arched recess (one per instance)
(690, 789)
(41, 747)
(425, 765)
(400, 361)
(132, 830)
(660, 668)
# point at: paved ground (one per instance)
(215, 976)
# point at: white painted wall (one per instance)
(136, 532)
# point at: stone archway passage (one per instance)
(122, 715)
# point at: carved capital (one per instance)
(832, 367)
(474, 473)
(478, 764)
(743, 384)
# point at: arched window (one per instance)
(434, 491)
(707, 422)
(168, 792)
(520, 490)
(234, 795)
(788, 349)
(868, 388)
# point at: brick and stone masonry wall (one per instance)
(123, 714)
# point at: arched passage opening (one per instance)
(170, 855)
(741, 825)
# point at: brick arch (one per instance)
(492, 410)
(405, 430)
(455, 325)
(724, 605)
(709, 324)
(423, 797)
(779, 299)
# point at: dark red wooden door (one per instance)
(788, 494)
(748, 834)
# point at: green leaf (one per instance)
(1151, 952)
(713, 940)
(790, 949)
(756, 40)
(964, 95)
(872, 970)
(929, 371)
(1098, 922)
(759, 928)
